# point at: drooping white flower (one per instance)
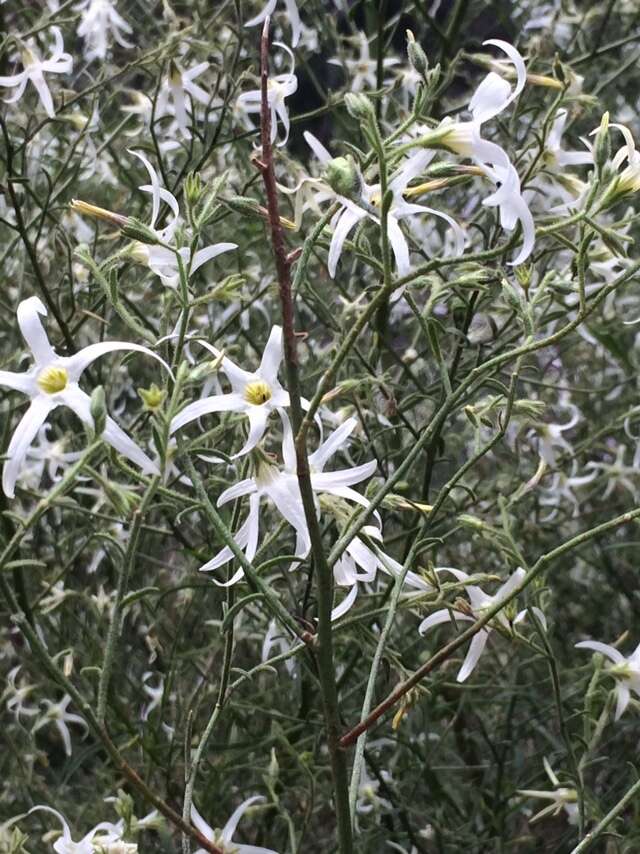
(99, 20)
(293, 16)
(626, 671)
(562, 798)
(224, 838)
(479, 603)
(492, 97)
(363, 71)
(351, 213)
(175, 88)
(52, 382)
(279, 87)
(161, 260)
(34, 69)
(256, 394)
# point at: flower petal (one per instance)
(609, 651)
(476, 648)
(29, 312)
(341, 609)
(77, 363)
(23, 436)
(217, 403)
(272, 356)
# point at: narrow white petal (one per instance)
(345, 224)
(218, 403)
(609, 651)
(434, 619)
(203, 255)
(268, 10)
(243, 487)
(230, 827)
(318, 459)
(29, 312)
(476, 648)
(77, 363)
(155, 185)
(258, 416)
(23, 436)
(623, 696)
(317, 147)
(344, 606)
(17, 382)
(272, 356)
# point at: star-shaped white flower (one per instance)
(52, 381)
(363, 71)
(175, 88)
(224, 838)
(57, 714)
(256, 394)
(562, 798)
(626, 671)
(33, 70)
(479, 603)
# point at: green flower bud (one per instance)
(343, 176)
(136, 230)
(98, 409)
(359, 106)
(193, 188)
(417, 56)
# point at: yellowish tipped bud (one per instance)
(87, 209)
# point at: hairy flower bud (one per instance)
(98, 410)
(343, 176)
(359, 106)
(416, 55)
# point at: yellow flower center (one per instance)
(53, 380)
(257, 392)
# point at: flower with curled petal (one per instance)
(223, 839)
(356, 209)
(291, 9)
(279, 88)
(52, 381)
(162, 260)
(57, 714)
(479, 603)
(626, 671)
(33, 70)
(107, 832)
(491, 97)
(363, 71)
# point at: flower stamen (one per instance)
(52, 380)
(257, 392)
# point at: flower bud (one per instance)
(136, 230)
(602, 145)
(343, 176)
(359, 107)
(416, 55)
(193, 188)
(98, 409)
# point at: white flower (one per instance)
(155, 694)
(65, 844)
(224, 838)
(57, 714)
(161, 260)
(562, 798)
(256, 394)
(99, 19)
(175, 88)
(554, 156)
(292, 14)
(351, 213)
(52, 382)
(15, 695)
(492, 97)
(33, 70)
(626, 671)
(618, 473)
(279, 87)
(479, 603)
(363, 71)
